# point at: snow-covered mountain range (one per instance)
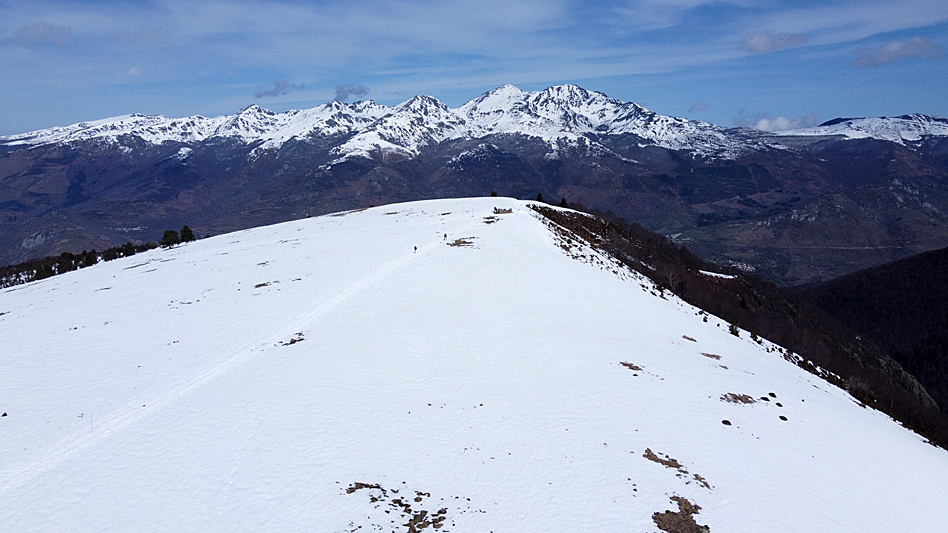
(558, 113)
(104, 183)
(563, 112)
(903, 129)
(442, 365)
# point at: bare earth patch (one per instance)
(668, 462)
(687, 338)
(672, 463)
(296, 338)
(736, 398)
(410, 507)
(711, 355)
(681, 522)
(630, 366)
(467, 241)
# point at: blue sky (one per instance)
(766, 63)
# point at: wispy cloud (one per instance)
(698, 106)
(763, 42)
(41, 33)
(767, 122)
(662, 14)
(143, 35)
(344, 92)
(280, 87)
(895, 50)
(650, 51)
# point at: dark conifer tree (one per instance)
(169, 239)
(539, 197)
(563, 202)
(89, 258)
(186, 234)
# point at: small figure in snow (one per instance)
(416, 249)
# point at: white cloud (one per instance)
(763, 42)
(767, 122)
(134, 71)
(838, 22)
(895, 50)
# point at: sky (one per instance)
(770, 64)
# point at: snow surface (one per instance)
(717, 274)
(481, 375)
(562, 113)
(911, 128)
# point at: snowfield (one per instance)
(323, 375)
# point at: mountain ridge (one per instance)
(559, 111)
(739, 196)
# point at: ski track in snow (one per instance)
(79, 441)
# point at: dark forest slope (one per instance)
(810, 338)
(903, 308)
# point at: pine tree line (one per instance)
(46, 267)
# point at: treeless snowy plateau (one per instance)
(323, 375)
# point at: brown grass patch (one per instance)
(466, 241)
(687, 338)
(711, 355)
(630, 366)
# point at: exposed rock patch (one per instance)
(681, 522)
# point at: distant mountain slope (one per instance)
(425, 366)
(902, 130)
(795, 206)
(902, 307)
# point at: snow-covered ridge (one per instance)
(562, 112)
(906, 128)
(251, 124)
(407, 368)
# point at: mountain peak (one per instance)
(254, 109)
(422, 104)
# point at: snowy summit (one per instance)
(559, 113)
(448, 365)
